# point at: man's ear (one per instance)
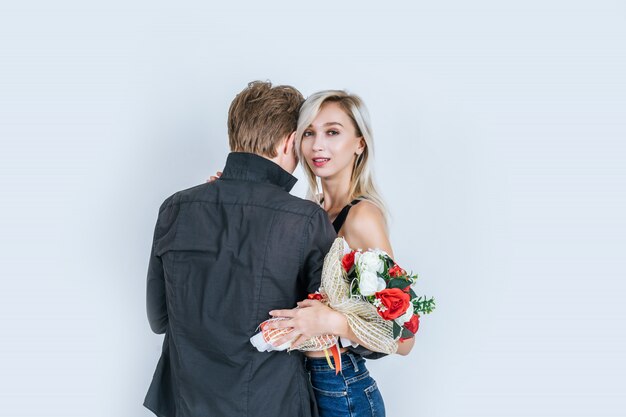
(290, 143)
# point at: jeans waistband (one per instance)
(348, 360)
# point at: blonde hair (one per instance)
(362, 184)
(261, 116)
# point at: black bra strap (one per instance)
(343, 215)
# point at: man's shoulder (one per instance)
(182, 196)
(278, 200)
(297, 205)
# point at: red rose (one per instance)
(395, 302)
(348, 261)
(413, 324)
(396, 271)
(315, 296)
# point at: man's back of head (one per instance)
(261, 116)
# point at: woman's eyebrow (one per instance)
(325, 124)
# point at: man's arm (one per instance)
(156, 304)
(155, 294)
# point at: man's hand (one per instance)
(214, 177)
(310, 319)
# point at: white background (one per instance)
(500, 131)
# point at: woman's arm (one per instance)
(313, 318)
(365, 229)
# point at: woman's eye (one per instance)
(333, 132)
(307, 133)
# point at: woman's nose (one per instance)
(318, 143)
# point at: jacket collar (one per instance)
(251, 167)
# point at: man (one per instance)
(225, 254)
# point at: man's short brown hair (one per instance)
(261, 116)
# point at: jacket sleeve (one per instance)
(319, 237)
(156, 303)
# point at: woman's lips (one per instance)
(320, 162)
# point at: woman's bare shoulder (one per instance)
(365, 214)
(365, 227)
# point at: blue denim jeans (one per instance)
(352, 393)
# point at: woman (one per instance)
(335, 144)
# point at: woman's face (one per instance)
(330, 143)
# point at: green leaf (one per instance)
(398, 283)
(423, 305)
(397, 329)
(406, 333)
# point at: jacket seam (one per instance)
(250, 205)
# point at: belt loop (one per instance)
(354, 362)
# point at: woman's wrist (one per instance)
(339, 324)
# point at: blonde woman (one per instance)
(335, 146)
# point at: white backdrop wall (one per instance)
(500, 132)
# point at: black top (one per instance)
(225, 254)
(343, 215)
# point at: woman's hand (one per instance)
(214, 177)
(311, 318)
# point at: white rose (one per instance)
(370, 261)
(406, 316)
(370, 283)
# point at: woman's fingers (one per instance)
(284, 339)
(214, 177)
(298, 341)
(279, 324)
(308, 303)
(283, 313)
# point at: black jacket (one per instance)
(225, 254)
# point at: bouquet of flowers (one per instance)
(374, 294)
(375, 278)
